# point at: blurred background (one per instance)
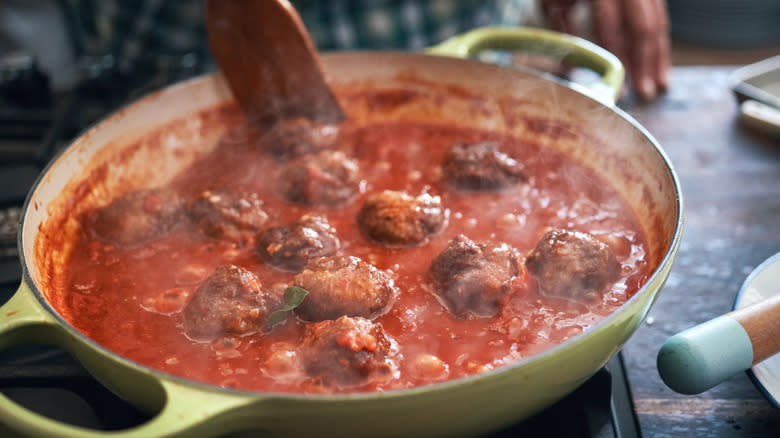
(74, 40)
(724, 32)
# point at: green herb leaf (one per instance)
(293, 297)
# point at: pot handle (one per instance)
(182, 409)
(571, 49)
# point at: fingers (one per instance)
(664, 44)
(608, 26)
(648, 56)
(636, 31)
(558, 13)
(639, 17)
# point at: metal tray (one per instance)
(757, 88)
(759, 82)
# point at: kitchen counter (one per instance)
(730, 179)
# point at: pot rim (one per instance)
(646, 288)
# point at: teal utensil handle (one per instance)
(701, 357)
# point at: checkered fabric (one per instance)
(392, 24)
(132, 30)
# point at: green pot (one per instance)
(600, 136)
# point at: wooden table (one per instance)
(730, 180)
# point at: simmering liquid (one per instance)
(130, 299)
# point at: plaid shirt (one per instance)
(147, 34)
(388, 24)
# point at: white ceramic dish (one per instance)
(762, 283)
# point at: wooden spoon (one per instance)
(269, 61)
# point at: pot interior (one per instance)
(146, 143)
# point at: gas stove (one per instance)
(34, 125)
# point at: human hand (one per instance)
(636, 31)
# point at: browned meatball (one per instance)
(291, 246)
(296, 136)
(138, 217)
(343, 285)
(234, 216)
(480, 166)
(328, 178)
(571, 264)
(231, 301)
(347, 352)
(473, 278)
(398, 219)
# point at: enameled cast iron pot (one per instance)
(579, 121)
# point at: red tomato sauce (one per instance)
(129, 299)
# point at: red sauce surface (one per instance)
(119, 297)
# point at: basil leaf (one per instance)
(293, 297)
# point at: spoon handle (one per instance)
(761, 321)
(269, 61)
(701, 357)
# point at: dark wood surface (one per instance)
(730, 179)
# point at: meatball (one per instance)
(473, 278)
(571, 264)
(290, 247)
(297, 136)
(237, 217)
(480, 166)
(398, 219)
(327, 178)
(231, 301)
(347, 352)
(343, 285)
(138, 217)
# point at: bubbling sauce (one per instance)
(130, 298)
